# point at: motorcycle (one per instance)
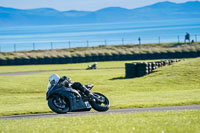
(93, 66)
(62, 99)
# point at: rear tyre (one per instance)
(58, 104)
(102, 104)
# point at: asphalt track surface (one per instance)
(36, 72)
(71, 114)
(112, 111)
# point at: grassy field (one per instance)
(25, 68)
(105, 50)
(147, 122)
(178, 84)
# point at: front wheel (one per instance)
(102, 104)
(58, 104)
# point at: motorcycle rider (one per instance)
(93, 66)
(54, 79)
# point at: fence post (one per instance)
(33, 46)
(122, 41)
(178, 39)
(69, 44)
(51, 45)
(14, 47)
(195, 38)
(159, 39)
(105, 42)
(87, 43)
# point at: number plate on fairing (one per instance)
(87, 104)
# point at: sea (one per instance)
(88, 35)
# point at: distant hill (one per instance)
(49, 16)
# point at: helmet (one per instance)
(53, 79)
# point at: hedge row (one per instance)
(143, 68)
(114, 57)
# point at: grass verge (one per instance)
(178, 84)
(104, 50)
(26, 68)
(146, 122)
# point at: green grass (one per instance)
(108, 50)
(178, 84)
(147, 122)
(60, 67)
(25, 68)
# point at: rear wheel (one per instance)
(58, 104)
(102, 104)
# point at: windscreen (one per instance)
(49, 86)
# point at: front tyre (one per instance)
(102, 104)
(58, 104)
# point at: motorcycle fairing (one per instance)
(75, 100)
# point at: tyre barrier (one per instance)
(133, 70)
(93, 58)
(130, 70)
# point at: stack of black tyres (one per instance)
(143, 68)
(130, 70)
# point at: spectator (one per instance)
(139, 39)
(187, 37)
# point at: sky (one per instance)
(84, 5)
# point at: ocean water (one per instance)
(84, 35)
